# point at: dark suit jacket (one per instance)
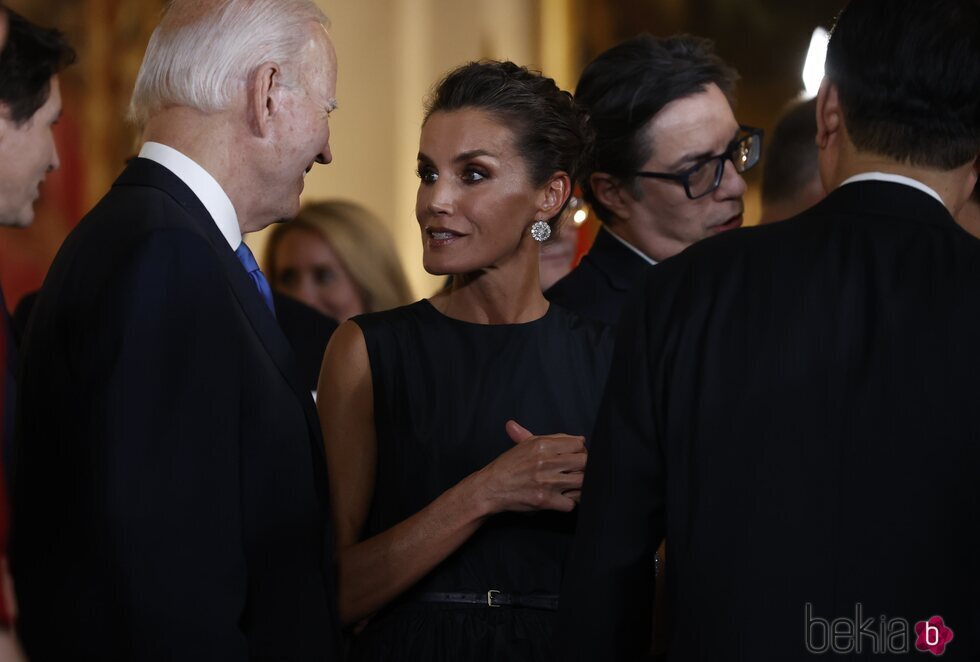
(170, 481)
(598, 287)
(793, 406)
(308, 331)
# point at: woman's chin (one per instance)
(435, 270)
(438, 267)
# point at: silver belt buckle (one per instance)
(492, 592)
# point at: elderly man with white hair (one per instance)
(171, 493)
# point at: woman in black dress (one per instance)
(454, 427)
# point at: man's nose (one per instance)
(55, 160)
(325, 156)
(732, 184)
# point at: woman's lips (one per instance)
(437, 237)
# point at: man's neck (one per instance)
(203, 139)
(953, 186)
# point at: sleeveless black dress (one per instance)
(443, 390)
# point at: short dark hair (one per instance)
(908, 79)
(791, 156)
(625, 86)
(30, 58)
(550, 130)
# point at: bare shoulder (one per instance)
(345, 361)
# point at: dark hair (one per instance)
(30, 58)
(908, 79)
(624, 87)
(791, 156)
(551, 132)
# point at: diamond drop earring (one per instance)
(540, 230)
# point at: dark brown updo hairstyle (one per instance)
(551, 132)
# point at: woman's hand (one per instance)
(539, 473)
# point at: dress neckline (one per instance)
(515, 325)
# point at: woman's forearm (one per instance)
(375, 571)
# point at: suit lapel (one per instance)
(143, 172)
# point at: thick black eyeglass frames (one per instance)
(705, 176)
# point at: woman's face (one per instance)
(475, 202)
(308, 270)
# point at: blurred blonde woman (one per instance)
(337, 257)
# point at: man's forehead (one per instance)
(698, 123)
(53, 102)
(320, 59)
(701, 108)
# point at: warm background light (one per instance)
(391, 52)
(813, 68)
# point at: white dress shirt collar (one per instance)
(896, 179)
(630, 246)
(202, 184)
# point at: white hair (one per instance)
(203, 50)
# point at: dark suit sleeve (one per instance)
(170, 459)
(607, 596)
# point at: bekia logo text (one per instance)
(881, 636)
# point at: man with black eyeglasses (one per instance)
(668, 158)
(793, 407)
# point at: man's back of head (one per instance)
(202, 53)
(30, 104)
(901, 93)
(790, 177)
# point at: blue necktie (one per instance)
(245, 256)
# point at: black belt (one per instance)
(492, 598)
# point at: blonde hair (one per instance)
(362, 244)
(203, 50)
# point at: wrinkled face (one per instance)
(308, 269)
(684, 131)
(475, 201)
(303, 132)
(27, 155)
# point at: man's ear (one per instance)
(829, 115)
(555, 192)
(609, 191)
(264, 97)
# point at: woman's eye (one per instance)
(322, 276)
(472, 175)
(287, 277)
(426, 174)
